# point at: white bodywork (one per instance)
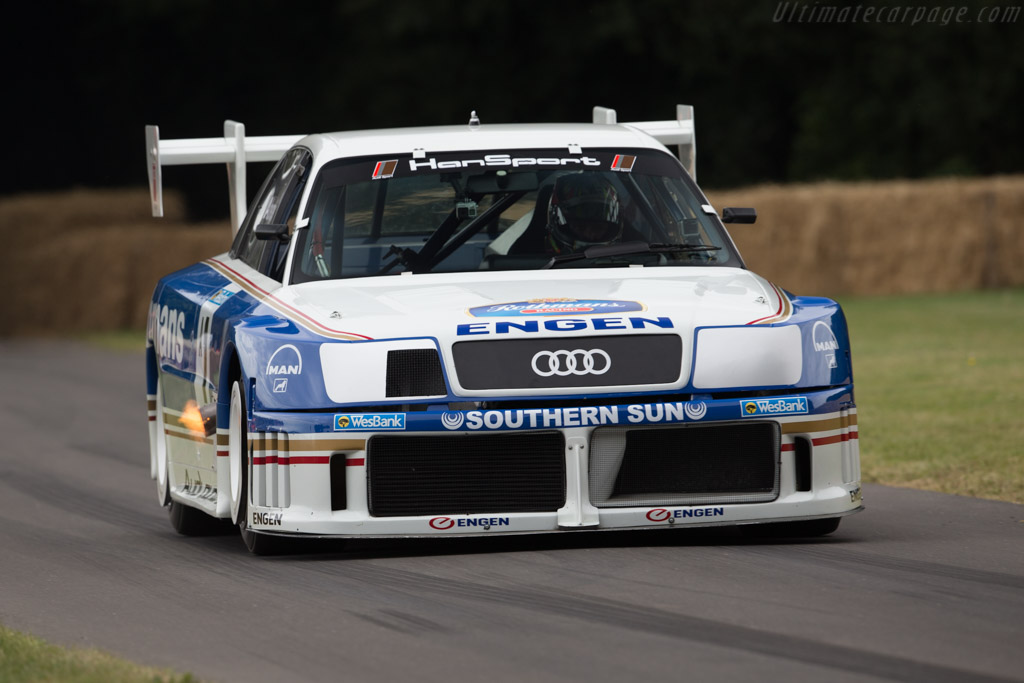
(731, 322)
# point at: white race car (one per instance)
(489, 329)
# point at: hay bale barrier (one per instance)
(87, 260)
(894, 237)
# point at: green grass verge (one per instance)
(26, 658)
(939, 388)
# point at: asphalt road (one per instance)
(920, 587)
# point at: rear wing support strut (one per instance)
(234, 150)
(680, 132)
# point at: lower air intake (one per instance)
(465, 474)
(414, 372)
(691, 465)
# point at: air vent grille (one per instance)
(414, 372)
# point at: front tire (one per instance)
(239, 463)
(238, 455)
(159, 448)
(189, 521)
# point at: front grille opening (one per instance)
(339, 494)
(685, 465)
(465, 474)
(802, 461)
(603, 361)
(414, 372)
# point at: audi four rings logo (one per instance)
(575, 362)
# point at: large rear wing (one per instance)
(679, 132)
(234, 149)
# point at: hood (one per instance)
(511, 334)
(443, 305)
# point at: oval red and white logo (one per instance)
(442, 523)
(659, 515)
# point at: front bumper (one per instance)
(310, 471)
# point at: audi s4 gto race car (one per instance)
(489, 329)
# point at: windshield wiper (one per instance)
(624, 248)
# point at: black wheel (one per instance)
(262, 544)
(240, 458)
(158, 449)
(808, 529)
(188, 521)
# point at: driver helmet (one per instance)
(584, 210)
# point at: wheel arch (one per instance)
(230, 370)
(152, 369)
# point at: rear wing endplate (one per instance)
(679, 132)
(234, 149)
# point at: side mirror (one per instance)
(732, 214)
(272, 231)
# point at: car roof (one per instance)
(434, 139)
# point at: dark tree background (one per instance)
(775, 100)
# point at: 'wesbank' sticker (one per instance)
(794, 405)
(562, 306)
(368, 421)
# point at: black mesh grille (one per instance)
(735, 462)
(568, 362)
(465, 474)
(414, 372)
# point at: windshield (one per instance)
(514, 210)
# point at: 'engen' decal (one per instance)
(663, 515)
(445, 523)
(564, 325)
(266, 518)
